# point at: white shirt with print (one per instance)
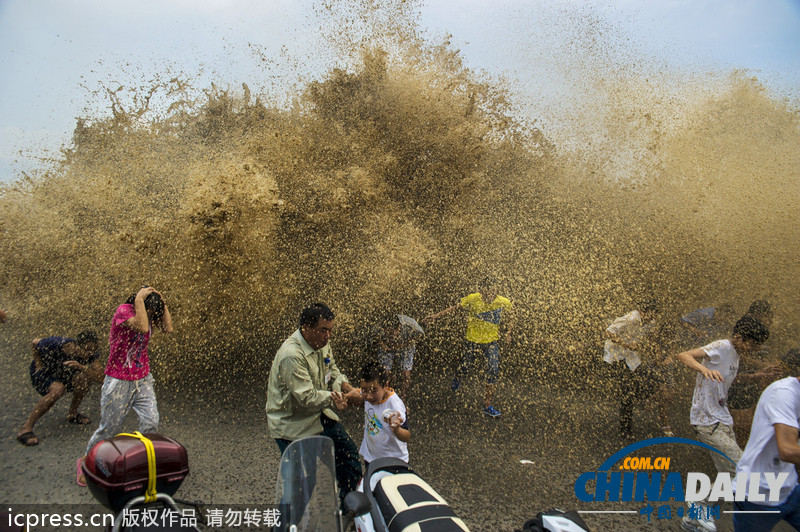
(379, 440)
(710, 399)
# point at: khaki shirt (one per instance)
(300, 385)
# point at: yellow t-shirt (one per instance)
(483, 322)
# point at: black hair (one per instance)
(86, 337)
(374, 371)
(311, 315)
(749, 327)
(153, 304)
(760, 307)
(792, 361)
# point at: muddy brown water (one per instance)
(395, 183)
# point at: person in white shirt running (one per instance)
(717, 365)
(772, 448)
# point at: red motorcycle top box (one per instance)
(117, 469)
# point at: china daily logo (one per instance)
(624, 478)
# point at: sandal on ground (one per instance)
(78, 480)
(79, 419)
(25, 439)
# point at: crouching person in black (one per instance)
(61, 365)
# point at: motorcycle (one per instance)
(397, 498)
(390, 497)
(401, 500)
(306, 493)
(133, 472)
(555, 521)
(123, 475)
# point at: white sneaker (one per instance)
(698, 525)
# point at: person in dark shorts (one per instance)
(395, 337)
(61, 365)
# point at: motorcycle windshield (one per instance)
(306, 490)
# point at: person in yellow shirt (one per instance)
(485, 309)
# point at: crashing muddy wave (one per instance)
(397, 184)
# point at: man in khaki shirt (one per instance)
(305, 386)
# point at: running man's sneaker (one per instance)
(491, 411)
(700, 524)
(455, 384)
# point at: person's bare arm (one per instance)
(751, 364)
(339, 400)
(788, 446)
(166, 319)
(445, 312)
(94, 371)
(355, 397)
(140, 322)
(764, 377)
(691, 360)
(404, 435)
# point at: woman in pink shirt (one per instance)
(128, 382)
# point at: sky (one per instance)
(57, 55)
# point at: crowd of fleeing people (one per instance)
(307, 390)
(732, 371)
